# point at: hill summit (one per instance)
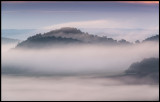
(69, 35)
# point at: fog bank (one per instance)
(79, 59)
(74, 88)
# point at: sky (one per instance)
(84, 15)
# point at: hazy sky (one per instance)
(104, 14)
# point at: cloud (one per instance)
(94, 24)
(104, 23)
(106, 60)
(74, 88)
(130, 30)
(78, 59)
(142, 2)
(80, 24)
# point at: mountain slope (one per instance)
(152, 38)
(40, 41)
(147, 68)
(74, 33)
(65, 36)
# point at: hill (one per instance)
(65, 36)
(147, 68)
(152, 38)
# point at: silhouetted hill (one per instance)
(39, 41)
(123, 42)
(74, 33)
(146, 68)
(67, 35)
(64, 30)
(152, 38)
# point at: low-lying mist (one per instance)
(88, 72)
(87, 59)
(74, 88)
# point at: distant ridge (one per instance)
(9, 40)
(152, 38)
(69, 35)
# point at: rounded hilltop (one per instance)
(69, 36)
(66, 30)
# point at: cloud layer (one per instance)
(79, 59)
(74, 88)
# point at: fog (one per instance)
(78, 73)
(77, 59)
(7, 47)
(74, 88)
(128, 34)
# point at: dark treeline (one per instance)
(68, 35)
(146, 68)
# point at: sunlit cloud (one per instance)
(116, 29)
(103, 23)
(143, 2)
(80, 24)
